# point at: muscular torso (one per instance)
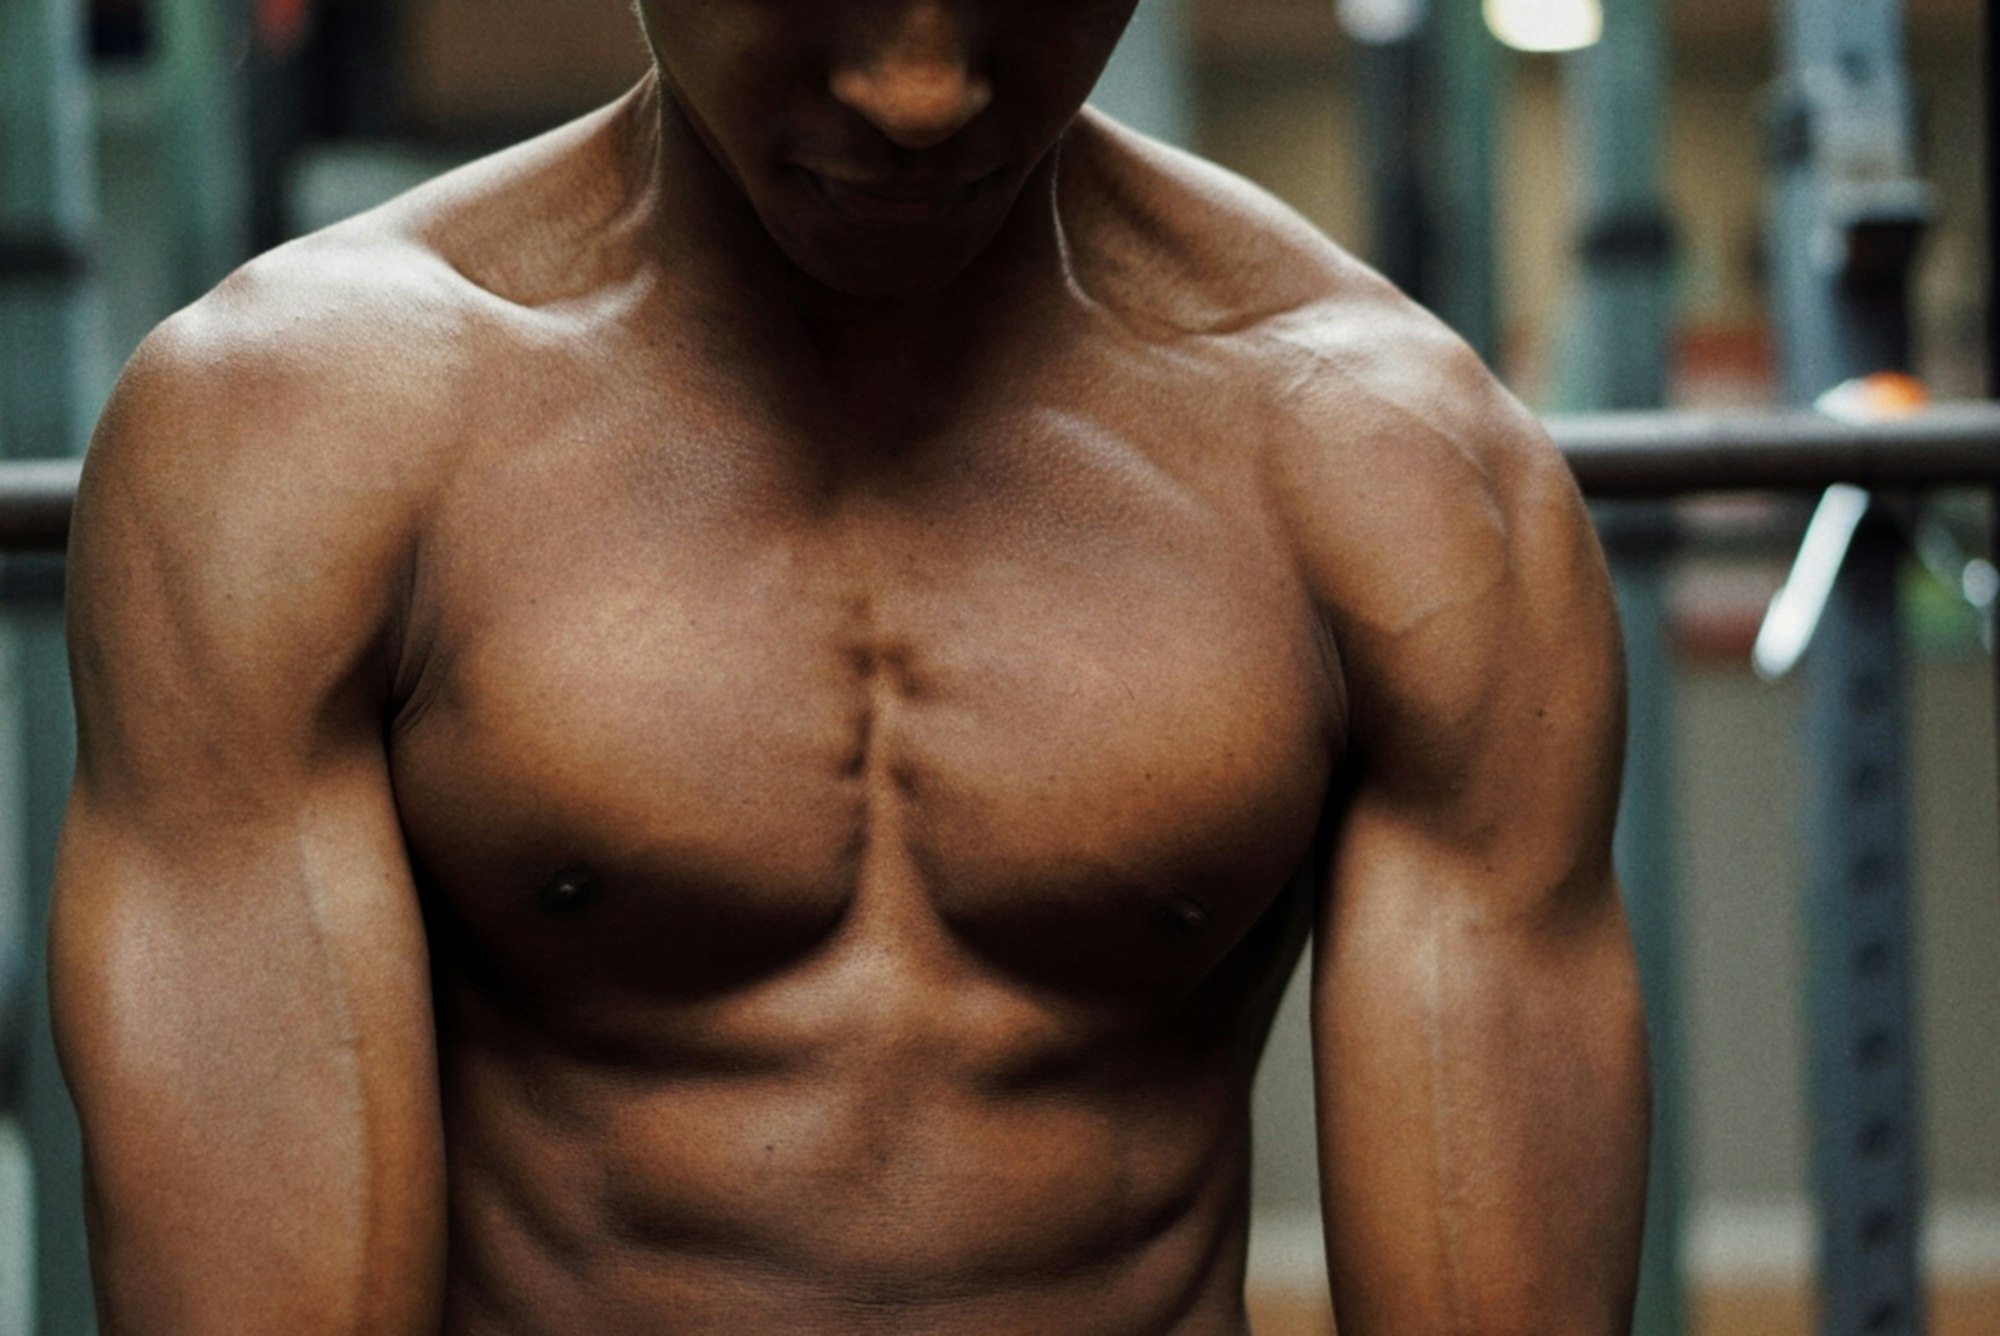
(858, 847)
(619, 793)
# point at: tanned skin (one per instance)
(731, 721)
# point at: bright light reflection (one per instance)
(1380, 22)
(1981, 583)
(1546, 25)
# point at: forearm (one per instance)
(1483, 1120)
(205, 1233)
(313, 1269)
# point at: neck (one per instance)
(715, 251)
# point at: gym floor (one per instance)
(1955, 1310)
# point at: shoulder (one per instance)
(255, 501)
(1440, 532)
(323, 387)
(1408, 479)
(255, 486)
(323, 367)
(1379, 430)
(1454, 565)
(387, 319)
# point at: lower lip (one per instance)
(866, 207)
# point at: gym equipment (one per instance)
(1614, 353)
(1846, 214)
(48, 396)
(1831, 121)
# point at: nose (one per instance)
(913, 80)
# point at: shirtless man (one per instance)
(731, 721)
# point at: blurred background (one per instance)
(1552, 206)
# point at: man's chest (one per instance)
(1053, 699)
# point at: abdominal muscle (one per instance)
(979, 1162)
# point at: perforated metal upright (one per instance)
(1615, 356)
(1865, 1143)
(49, 390)
(1847, 213)
(1618, 353)
(1990, 74)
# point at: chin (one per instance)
(866, 262)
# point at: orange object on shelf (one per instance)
(1885, 394)
(281, 24)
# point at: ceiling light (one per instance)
(1546, 25)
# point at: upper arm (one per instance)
(1478, 1041)
(1486, 690)
(238, 962)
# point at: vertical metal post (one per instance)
(1846, 215)
(45, 741)
(48, 398)
(1388, 79)
(1615, 356)
(1865, 1152)
(1620, 341)
(1990, 73)
(204, 90)
(1846, 209)
(1460, 270)
(276, 104)
(1640, 541)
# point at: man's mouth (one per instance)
(894, 203)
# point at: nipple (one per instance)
(1189, 914)
(567, 891)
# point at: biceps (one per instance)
(242, 1012)
(1439, 969)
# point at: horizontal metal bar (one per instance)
(1661, 454)
(1674, 453)
(36, 496)
(41, 257)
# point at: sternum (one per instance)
(891, 909)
